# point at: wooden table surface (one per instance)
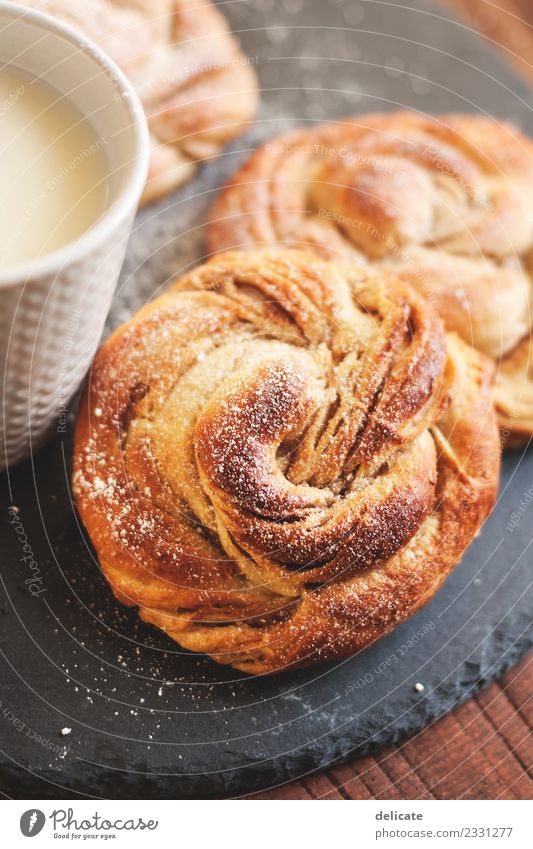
(484, 748)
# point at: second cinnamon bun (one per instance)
(445, 203)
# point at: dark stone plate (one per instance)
(145, 718)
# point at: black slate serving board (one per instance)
(145, 718)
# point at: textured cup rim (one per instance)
(128, 198)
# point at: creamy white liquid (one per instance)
(53, 169)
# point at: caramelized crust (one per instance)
(282, 458)
(445, 203)
(198, 89)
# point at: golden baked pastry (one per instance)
(446, 203)
(198, 89)
(282, 458)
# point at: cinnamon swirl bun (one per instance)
(198, 89)
(445, 203)
(282, 458)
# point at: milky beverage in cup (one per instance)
(74, 158)
(53, 171)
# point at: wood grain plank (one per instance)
(501, 763)
(296, 791)
(375, 778)
(437, 752)
(402, 774)
(348, 783)
(518, 685)
(508, 722)
(320, 786)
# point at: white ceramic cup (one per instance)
(52, 310)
